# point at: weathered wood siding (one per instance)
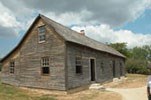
(76, 80)
(6, 76)
(28, 61)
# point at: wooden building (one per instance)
(52, 56)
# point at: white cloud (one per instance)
(70, 18)
(17, 14)
(138, 8)
(105, 34)
(112, 12)
(8, 22)
(14, 18)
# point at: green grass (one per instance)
(8, 92)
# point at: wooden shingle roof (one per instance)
(73, 36)
(69, 35)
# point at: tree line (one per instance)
(138, 59)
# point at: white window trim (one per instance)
(44, 74)
(78, 65)
(12, 67)
(39, 35)
(41, 41)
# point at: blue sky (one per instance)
(111, 21)
(141, 25)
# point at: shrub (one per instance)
(137, 66)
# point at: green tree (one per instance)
(138, 61)
(121, 47)
(138, 58)
(139, 53)
(148, 57)
(137, 66)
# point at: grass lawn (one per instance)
(131, 81)
(13, 93)
(8, 92)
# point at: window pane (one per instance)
(78, 60)
(102, 67)
(45, 70)
(45, 61)
(41, 29)
(78, 69)
(78, 63)
(42, 38)
(11, 68)
(42, 35)
(45, 65)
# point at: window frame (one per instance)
(12, 67)
(45, 63)
(41, 34)
(78, 63)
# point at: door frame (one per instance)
(94, 69)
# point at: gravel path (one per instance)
(131, 94)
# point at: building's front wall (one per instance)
(77, 80)
(6, 76)
(28, 61)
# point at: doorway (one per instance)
(114, 70)
(92, 67)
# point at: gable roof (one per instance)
(73, 36)
(69, 35)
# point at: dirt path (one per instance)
(131, 94)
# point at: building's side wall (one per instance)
(28, 62)
(6, 76)
(76, 80)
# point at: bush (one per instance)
(137, 66)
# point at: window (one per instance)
(121, 71)
(78, 62)
(11, 68)
(45, 70)
(42, 33)
(102, 67)
(45, 65)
